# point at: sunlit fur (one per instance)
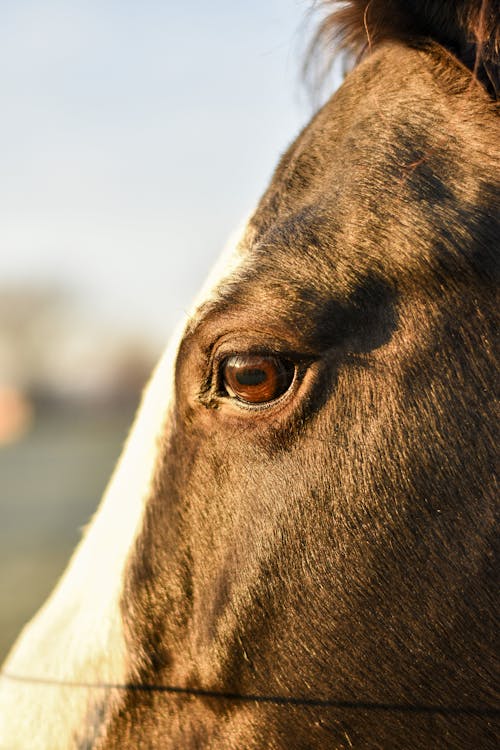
(77, 636)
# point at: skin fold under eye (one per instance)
(256, 378)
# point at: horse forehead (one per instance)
(379, 180)
(391, 120)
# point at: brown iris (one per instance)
(256, 378)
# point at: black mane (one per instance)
(469, 29)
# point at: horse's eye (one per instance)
(256, 378)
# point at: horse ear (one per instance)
(469, 29)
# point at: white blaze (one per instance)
(77, 636)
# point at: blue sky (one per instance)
(134, 137)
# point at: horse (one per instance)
(297, 548)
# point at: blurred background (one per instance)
(133, 139)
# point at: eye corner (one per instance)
(209, 395)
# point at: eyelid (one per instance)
(277, 349)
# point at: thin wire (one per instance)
(279, 700)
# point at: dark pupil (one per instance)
(251, 376)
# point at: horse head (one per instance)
(297, 547)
